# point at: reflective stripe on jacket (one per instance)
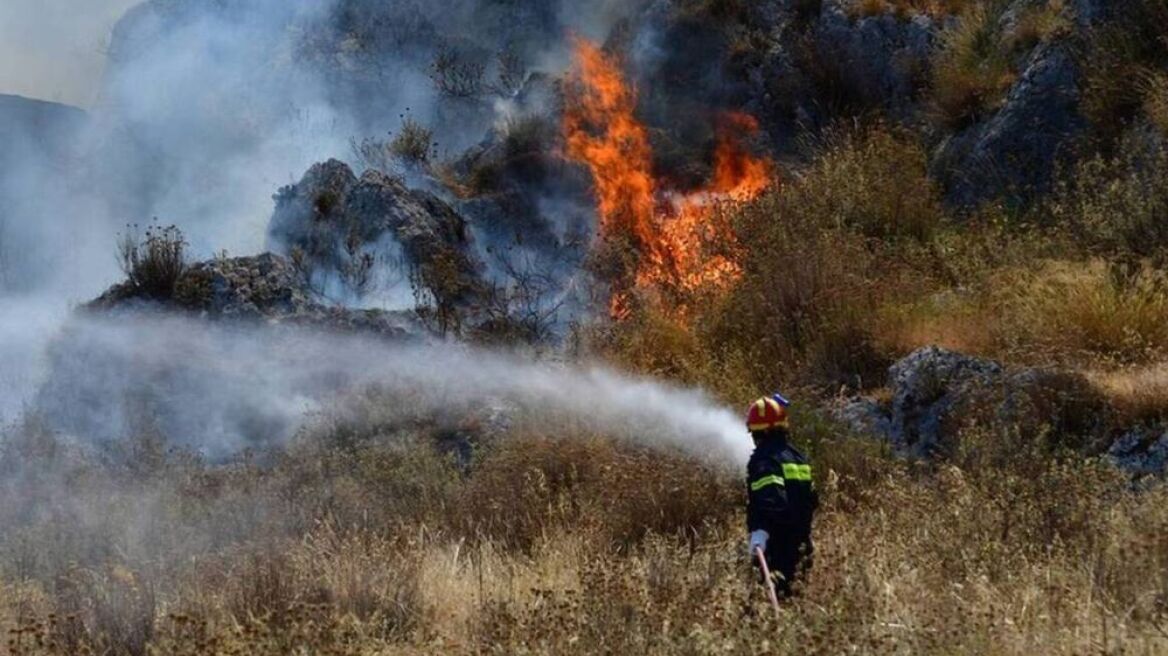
(781, 493)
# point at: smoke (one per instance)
(205, 110)
(54, 48)
(220, 389)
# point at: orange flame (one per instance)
(671, 231)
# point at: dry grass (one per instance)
(574, 544)
(973, 69)
(1086, 310)
(976, 63)
(1139, 394)
(909, 8)
(1074, 313)
(1040, 23)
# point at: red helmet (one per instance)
(765, 414)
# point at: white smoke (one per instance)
(220, 388)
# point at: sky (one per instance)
(54, 49)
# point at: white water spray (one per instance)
(219, 389)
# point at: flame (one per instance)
(736, 173)
(670, 230)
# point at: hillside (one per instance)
(37, 123)
(515, 268)
(38, 139)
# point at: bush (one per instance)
(456, 75)
(1121, 56)
(815, 275)
(972, 71)
(849, 234)
(1117, 206)
(1156, 101)
(412, 146)
(153, 262)
(874, 181)
(413, 142)
(527, 135)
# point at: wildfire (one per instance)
(670, 230)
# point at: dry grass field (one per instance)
(568, 544)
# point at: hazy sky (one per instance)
(52, 49)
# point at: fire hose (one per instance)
(766, 577)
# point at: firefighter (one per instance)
(781, 496)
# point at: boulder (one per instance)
(34, 128)
(864, 416)
(1016, 150)
(926, 387)
(937, 393)
(816, 63)
(336, 226)
(1141, 452)
(882, 59)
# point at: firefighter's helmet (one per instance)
(765, 414)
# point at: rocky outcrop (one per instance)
(1016, 150)
(1142, 452)
(936, 394)
(34, 128)
(927, 386)
(265, 288)
(883, 59)
(337, 225)
(817, 63)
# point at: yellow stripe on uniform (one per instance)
(795, 472)
(765, 481)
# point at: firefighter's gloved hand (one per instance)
(758, 540)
